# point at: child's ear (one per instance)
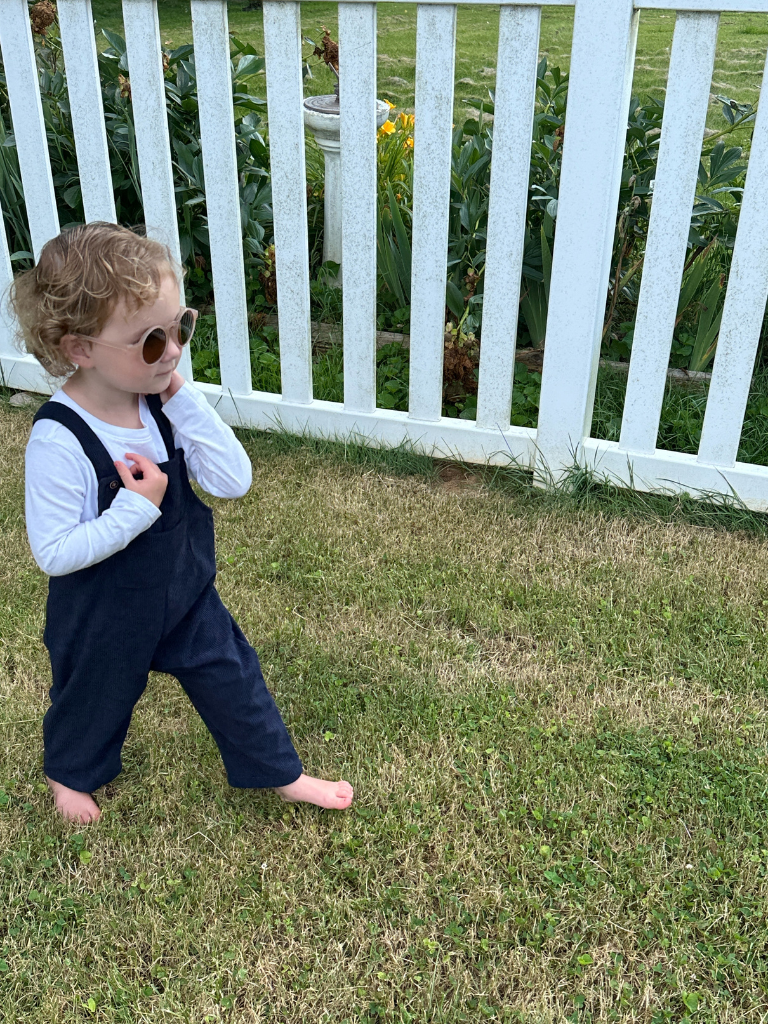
(76, 349)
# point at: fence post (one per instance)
(7, 325)
(210, 35)
(357, 35)
(285, 96)
(18, 54)
(153, 146)
(602, 64)
(743, 313)
(666, 248)
(435, 63)
(515, 100)
(87, 109)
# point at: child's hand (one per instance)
(144, 477)
(176, 382)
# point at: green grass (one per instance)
(738, 71)
(554, 714)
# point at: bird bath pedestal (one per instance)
(321, 116)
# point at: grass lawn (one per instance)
(554, 714)
(738, 72)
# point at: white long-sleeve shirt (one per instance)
(65, 530)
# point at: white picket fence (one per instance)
(602, 63)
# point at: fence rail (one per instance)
(602, 64)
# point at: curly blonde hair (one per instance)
(80, 277)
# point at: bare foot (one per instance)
(72, 805)
(335, 796)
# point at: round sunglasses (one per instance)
(154, 342)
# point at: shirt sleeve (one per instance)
(55, 493)
(214, 456)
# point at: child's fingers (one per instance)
(141, 461)
(125, 474)
(134, 470)
(149, 480)
(143, 467)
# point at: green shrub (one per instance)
(184, 125)
(713, 222)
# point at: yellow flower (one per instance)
(409, 141)
(390, 105)
(406, 120)
(387, 128)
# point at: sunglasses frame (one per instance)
(168, 329)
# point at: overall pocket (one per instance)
(150, 560)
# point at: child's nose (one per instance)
(173, 350)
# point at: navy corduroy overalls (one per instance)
(152, 606)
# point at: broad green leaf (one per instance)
(691, 1000)
(115, 41)
(454, 299)
(249, 65)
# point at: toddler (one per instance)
(114, 522)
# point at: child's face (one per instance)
(124, 368)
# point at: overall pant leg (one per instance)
(220, 672)
(100, 640)
(84, 729)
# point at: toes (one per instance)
(83, 816)
(344, 795)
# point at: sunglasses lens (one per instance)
(154, 345)
(186, 327)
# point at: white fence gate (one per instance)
(602, 64)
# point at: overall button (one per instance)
(113, 485)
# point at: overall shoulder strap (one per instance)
(163, 423)
(89, 441)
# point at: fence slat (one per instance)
(28, 124)
(7, 326)
(510, 169)
(84, 90)
(285, 96)
(743, 313)
(145, 60)
(685, 113)
(435, 59)
(357, 41)
(222, 195)
(602, 64)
